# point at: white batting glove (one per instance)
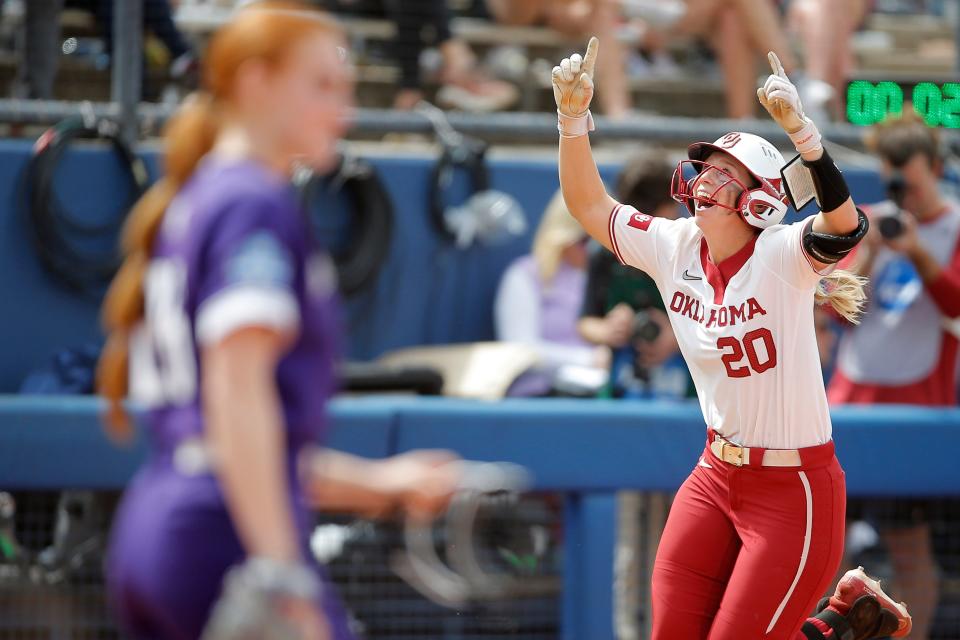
(573, 91)
(780, 98)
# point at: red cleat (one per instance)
(856, 583)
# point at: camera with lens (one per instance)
(645, 328)
(892, 226)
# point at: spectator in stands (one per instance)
(741, 32)
(901, 352)
(38, 69)
(539, 300)
(157, 19)
(464, 84)
(42, 47)
(579, 18)
(825, 28)
(623, 309)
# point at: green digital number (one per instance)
(928, 102)
(869, 104)
(888, 100)
(860, 103)
(951, 105)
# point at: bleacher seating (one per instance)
(899, 48)
(918, 46)
(889, 48)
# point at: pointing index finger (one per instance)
(590, 58)
(775, 65)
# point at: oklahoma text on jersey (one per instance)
(729, 315)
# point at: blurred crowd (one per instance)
(490, 55)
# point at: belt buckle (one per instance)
(739, 453)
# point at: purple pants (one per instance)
(171, 544)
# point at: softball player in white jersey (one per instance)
(755, 533)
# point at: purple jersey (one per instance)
(233, 251)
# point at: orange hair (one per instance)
(266, 31)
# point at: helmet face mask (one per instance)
(761, 205)
(685, 190)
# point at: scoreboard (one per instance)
(870, 102)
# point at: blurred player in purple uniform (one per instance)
(224, 316)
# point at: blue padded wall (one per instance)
(429, 292)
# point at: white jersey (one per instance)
(745, 326)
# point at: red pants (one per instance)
(747, 551)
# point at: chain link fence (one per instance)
(52, 547)
(53, 544)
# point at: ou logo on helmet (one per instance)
(729, 140)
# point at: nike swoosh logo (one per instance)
(687, 276)
(703, 463)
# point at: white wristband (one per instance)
(807, 139)
(575, 126)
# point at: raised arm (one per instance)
(839, 226)
(583, 190)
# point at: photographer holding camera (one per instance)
(902, 352)
(622, 307)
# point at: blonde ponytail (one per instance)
(844, 291)
(188, 137)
